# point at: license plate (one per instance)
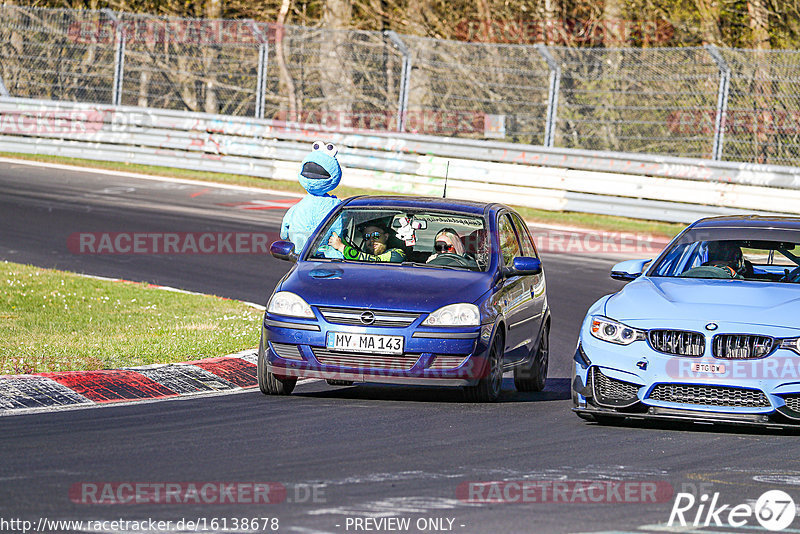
(372, 343)
(713, 368)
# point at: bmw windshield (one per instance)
(753, 254)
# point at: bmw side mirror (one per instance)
(524, 266)
(628, 270)
(283, 250)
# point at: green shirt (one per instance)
(392, 255)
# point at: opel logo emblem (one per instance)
(711, 326)
(367, 317)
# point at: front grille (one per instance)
(381, 318)
(447, 362)
(355, 360)
(678, 342)
(709, 395)
(287, 351)
(611, 392)
(742, 346)
(793, 402)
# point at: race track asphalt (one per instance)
(341, 454)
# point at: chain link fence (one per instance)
(725, 104)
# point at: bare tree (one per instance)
(709, 12)
(280, 55)
(334, 67)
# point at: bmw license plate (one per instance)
(713, 368)
(373, 343)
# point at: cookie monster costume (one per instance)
(320, 173)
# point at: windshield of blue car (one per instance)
(751, 259)
(401, 236)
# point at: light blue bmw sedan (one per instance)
(709, 331)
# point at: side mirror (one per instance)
(524, 266)
(283, 250)
(628, 270)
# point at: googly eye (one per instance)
(328, 148)
(331, 149)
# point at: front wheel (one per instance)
(488, 388)
(533, 376)
(268, 383)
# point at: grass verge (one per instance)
(58, 321)
(584, 220)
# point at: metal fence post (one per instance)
(722, 100)
(3, 90)
(405, 80)
(119, 57)
(552, 96)
(263, 63)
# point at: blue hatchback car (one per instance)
(408, 290)
(709, 331)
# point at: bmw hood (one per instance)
(733, 301)
(387, 287)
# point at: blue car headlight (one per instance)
(792, 344)
(462, 314)
(287, 303)
(614, 331)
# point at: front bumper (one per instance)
(637, 382)
(437, 357)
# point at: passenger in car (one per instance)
(376, 239)
(447, 241)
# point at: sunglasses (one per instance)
(373, 235)
(442, 246)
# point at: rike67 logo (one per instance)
(774, 510)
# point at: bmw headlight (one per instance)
(287, 303)
(454, 315)
(614, 331)
(792, 344)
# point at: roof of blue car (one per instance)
(431, 203)
(749, 221)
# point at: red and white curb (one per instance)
(77, 389)
(82, 389)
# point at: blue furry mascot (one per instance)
(320, 173)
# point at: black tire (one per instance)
(334, 382)
(489, 387)
(268, 383)
(533, 376)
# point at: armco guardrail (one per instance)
(649, 187)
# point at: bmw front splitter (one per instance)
(688, 416)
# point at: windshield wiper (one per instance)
(432, 265)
